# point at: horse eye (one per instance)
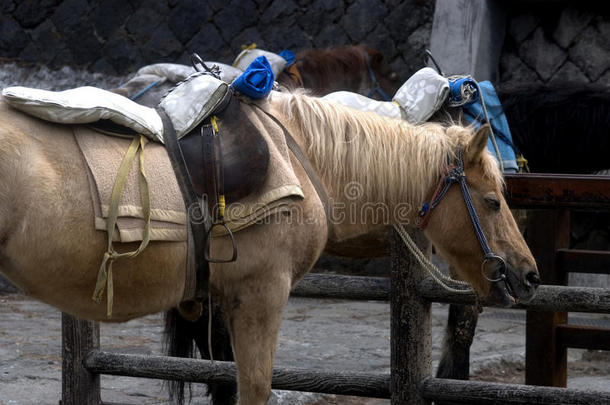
(493, 202)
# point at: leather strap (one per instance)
(209, 168)
(198, 220)
(311, 173)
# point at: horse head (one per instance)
(383, 80)
(482, 241)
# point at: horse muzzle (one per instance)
(511, 285)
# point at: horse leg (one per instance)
(254, 311)
(461, 325)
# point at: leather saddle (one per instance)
(241, 151)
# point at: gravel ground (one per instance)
(322, 334)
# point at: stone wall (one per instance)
(553, 42)
(118, 36)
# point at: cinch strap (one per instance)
(104, 276)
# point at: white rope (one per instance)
(430, 268)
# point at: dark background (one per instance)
(545, 42)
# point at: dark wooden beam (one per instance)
(583, 337)
(486, 393)
(548, 298)
(583, 261)
(410, 326)
(558, 191)
(343, 287)
(205, 371)
(79, 385)
(546, 362)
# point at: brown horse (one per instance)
(49, 247)
(356, 68)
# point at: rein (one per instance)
(376, 86)
(306, 164)
(456, 174)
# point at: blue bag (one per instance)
(256, 82)
(475, 115)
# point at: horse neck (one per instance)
(377, 171)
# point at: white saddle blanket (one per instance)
(415, 101)
(186, 105)
(175, 72)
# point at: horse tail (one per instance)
(179, 341)
(182, 337)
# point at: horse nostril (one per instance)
(533, 279)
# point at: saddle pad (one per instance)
(415, 101)
(176, 73)
(84, 105)
(103, 155)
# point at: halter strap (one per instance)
(376, 86)
(456, 174)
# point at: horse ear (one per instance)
(476, 146)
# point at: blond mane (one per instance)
(391, 159)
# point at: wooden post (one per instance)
(545, 358)
(467, 37)
(79, 386)
(410, 328)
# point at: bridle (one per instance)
(456, 174)
(376, 86)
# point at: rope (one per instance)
(430, 268)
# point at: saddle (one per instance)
(242, 153)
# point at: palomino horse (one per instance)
(49, 247)
(355, 68)
(543, 120)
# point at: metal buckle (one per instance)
(200, 66)
(494, 258)
(208, 238)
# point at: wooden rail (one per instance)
(410, 325)
(553, 191)
(374, 385)
(486, 393)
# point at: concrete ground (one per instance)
(322, 334)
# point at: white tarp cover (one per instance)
(193, 100)
(186, 105)
(416, 100)
(176, 73)
(246, 57)
(85, 105)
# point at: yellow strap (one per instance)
(241, 55)
(522, 163)
(221, 205)
(214, 122)
(104, 277)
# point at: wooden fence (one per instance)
(410, 292)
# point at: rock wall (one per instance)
(553, 42)
(118, 36)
